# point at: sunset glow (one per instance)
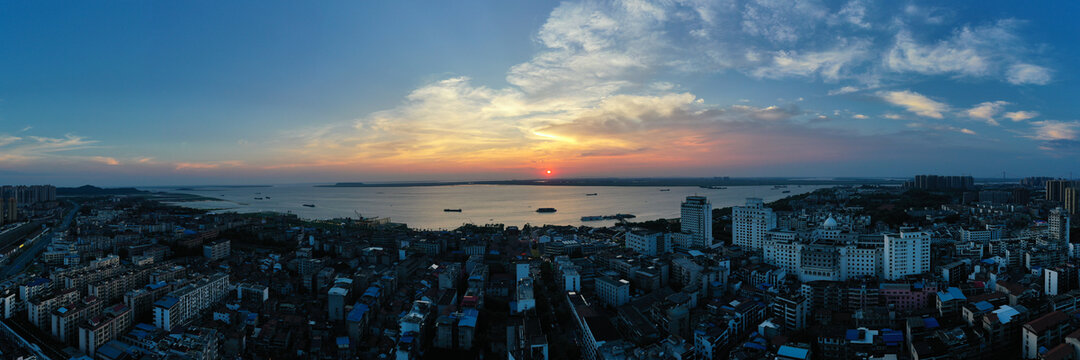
(592, 89)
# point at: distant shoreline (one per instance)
(655, 182)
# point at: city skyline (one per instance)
(198, 93)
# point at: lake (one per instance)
(422, 206)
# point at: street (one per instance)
(27, 256)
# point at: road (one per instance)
(24, 258)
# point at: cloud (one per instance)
(915, 103)
(892, 116)
(829, 64)
(860, 116)
(29, 148)
(854, 13)
(1021, 115)
(948, 56)
(1023, 74)
(781, 21)
(981, 51)
(206, 165)
(105, 160)
(843, 90)
(938, 128)
(1060, 138)
(1055, 130)
(986, 111)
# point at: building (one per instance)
(750, 224)
(1055, 189)
(217, 250)
(1044, 332)
(651, 243)
(252, 292)
(1072, 200)
(571, 280)
(525, 339)
(12, 211)
(97, 331)
(696, 223)
(524, 298)
(8, 303)
(939, 182)
(38, 311)
(790, 311)
(906, 253)
(66, 319)
(336, 299)
(612, 292)
(596, 330)
(466, 329)
(1059, 279)
(186, 303)
(1057, 233)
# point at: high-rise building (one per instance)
(12, 210)
(750, 223)
(1055, 189)
(906, 253)
(1072, 200)
(1058, 229)
(697, 222)
(939, 182)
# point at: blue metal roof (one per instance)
(984, 306)
(793, 352)
(892, 336)
(357, 312)
(110, 350)
(469, 318)
(343, 340)
(38, 281)
(950, 294)
(852, 334)
(930, 323)
(372, 291)
(166, 302)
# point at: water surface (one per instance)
(422, 206)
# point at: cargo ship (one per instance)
(451, 210)
(545, 210)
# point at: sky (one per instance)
(137, 93)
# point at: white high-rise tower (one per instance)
(697, 222)
(750, 223)
(906, 253)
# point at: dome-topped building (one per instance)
(830, 223)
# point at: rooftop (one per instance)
(1047, 321)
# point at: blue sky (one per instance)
(140, 93)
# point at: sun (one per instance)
(549, 171)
